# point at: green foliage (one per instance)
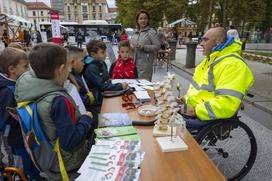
(244, 14)
(127, 10)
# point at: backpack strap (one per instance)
(34, 115)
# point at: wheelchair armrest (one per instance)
(249, 95)
(186, 116)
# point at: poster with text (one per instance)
(55, 27)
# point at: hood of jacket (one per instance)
(4, 81)
(231, 46)
(31, 88)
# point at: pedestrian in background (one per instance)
(27, 38)
(232, 32)
(80, 39)
(145, 43)
(124, 36)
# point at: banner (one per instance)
(55, 27)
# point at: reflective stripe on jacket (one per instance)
(219, 83)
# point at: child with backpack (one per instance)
(124, 67)
(96, 73)
(58, 134)
(13, 63)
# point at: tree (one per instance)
(244, 14)
(127, 11)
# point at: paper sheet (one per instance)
(142, 95)
(72, 90)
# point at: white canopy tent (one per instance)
(182, 21)
(5, 18)
(13, 24)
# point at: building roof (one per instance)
(36, 5)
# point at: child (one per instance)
(124, 67)
(58, 115)
(75, 58)
(13, 63)
(96, 73)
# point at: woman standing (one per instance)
(145, 43)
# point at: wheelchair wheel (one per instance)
(231, 145)
(12, 173)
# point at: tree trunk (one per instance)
(210, 14)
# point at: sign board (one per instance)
(55, 27)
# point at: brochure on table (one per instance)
(112, 160)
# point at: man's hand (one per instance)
(124, 85)
(141, 47)
(87, 113)
(189, 111)
(180, 99)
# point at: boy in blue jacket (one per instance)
(13, 63)
(96, 73)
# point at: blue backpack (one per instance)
(36, 142)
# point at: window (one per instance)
(69, 17)
(93, 8)
(100, 8)
(100, 15)
(94, 17)
(68, 8)
(33, 13)
(22, 11)
(85, 16)
(42, 20)
(84, 8)
(41, 13)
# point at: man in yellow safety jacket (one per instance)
(220, 81)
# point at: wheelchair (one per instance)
(230, 144)
(12, 173)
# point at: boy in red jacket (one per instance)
(124, 67)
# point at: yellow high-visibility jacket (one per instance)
(219, 83)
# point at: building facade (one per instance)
(14, 7)
(111, 16)
(38, 12)
(82, 10)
